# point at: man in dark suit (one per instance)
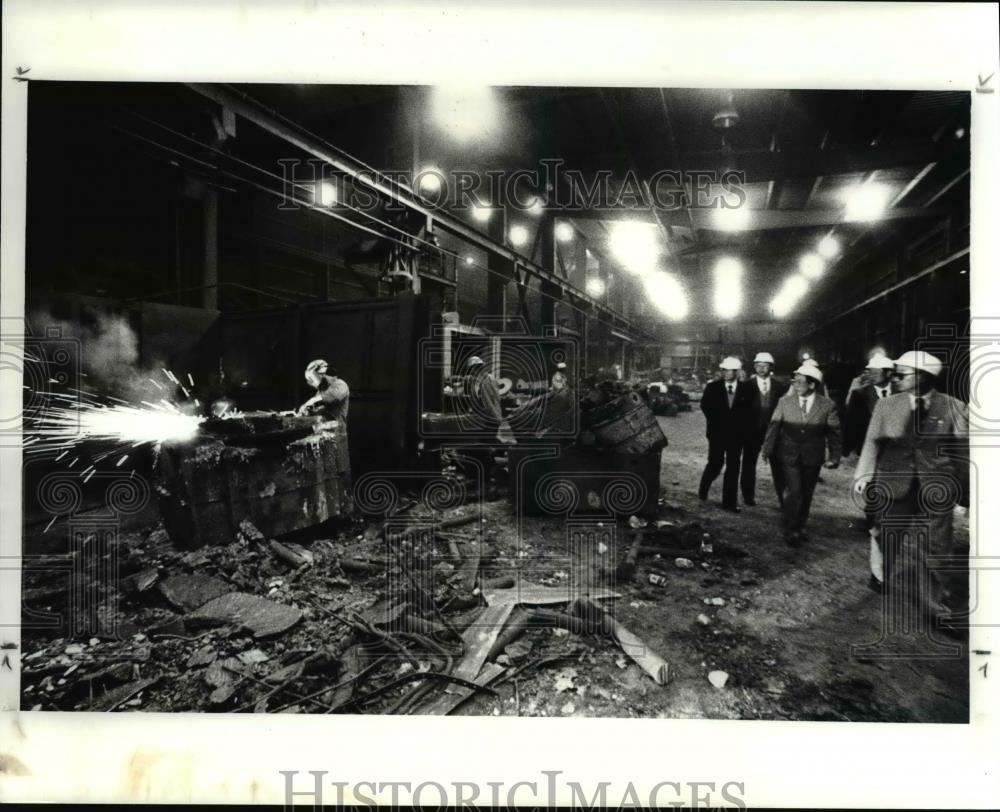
(803, 426)
(724, 403)
(916, 456)
(763, 393)
(861, 402)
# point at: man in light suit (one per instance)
(763, 393)
(803, 426)
(915, 455)
(724, 403)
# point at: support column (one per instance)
(501, 270)
(210, 262)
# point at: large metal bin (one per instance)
(570, 480)
(282, 477)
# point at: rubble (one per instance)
(271, 625)
(262, 617)
(187, 592)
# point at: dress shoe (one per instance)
(703, 496)
(750, 502)
(803, 536)
(875, 585)
(792, 539)
(731, 508)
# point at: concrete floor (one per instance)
(784, 636)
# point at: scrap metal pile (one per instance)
(412, 615)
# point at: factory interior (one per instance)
(367, 399)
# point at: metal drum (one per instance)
(626, 425)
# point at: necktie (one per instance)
(730, 388)
(802, 405)
(765, 387)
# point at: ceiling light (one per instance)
(564, 231)
(811, 266)
(731, 219)
(465, 113)
(866, 202)
(481, 213)
(518, 236)
(469, 260)
(795, 287)
(636, 246)
(828, 247)
(537, 208)
(430, 179)
(667, 294)
(595, 286)
(728, 287)
(327, 193)
(727, 117)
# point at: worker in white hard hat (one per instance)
(915, 459)
(865, 377)
(862, 402)
(803, 428)
(333, 396)
(763, 393)
(809, 361)
(724, 403)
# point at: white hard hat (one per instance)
(810, 371)
(475, 360)
(880, 362)
(763, 358)
(918, 359)
(318, 366)
(729, 362)
(809, 362)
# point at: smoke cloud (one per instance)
(109, 355)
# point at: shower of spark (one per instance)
(119, 424)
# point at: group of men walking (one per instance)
(792, 426)
(912, 469)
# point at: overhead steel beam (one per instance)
(760, 219)
(762, 165)
(249, 108)
(890, 290)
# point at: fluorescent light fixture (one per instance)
(667, 294)
(828, 247)
(564, 231)
(811, 266)
(636, 246)
(518, 236)
(731, 219)
(595, 286)
(728, 287)
(465, 112)
(866, 202)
